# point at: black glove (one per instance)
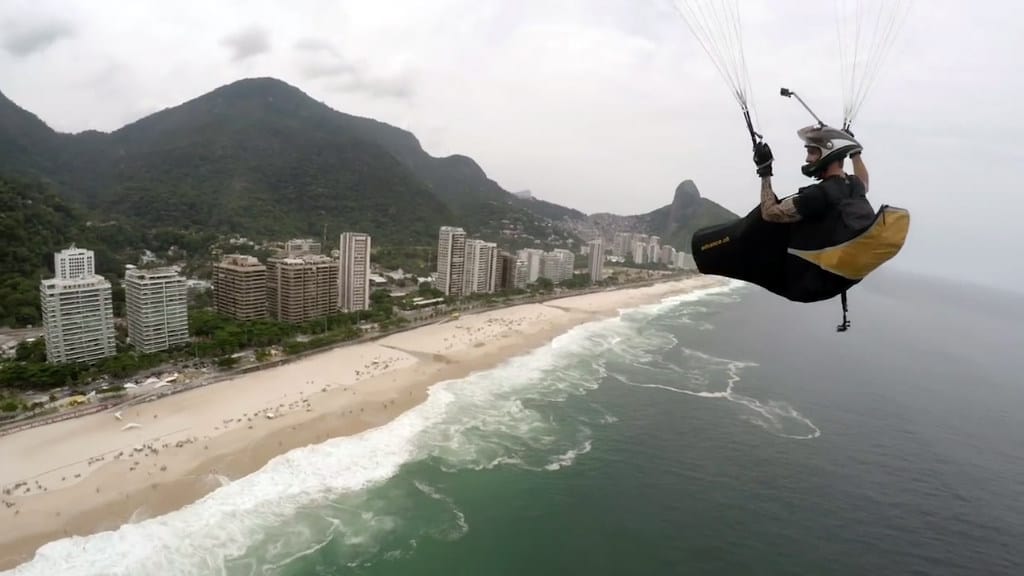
(763, 159)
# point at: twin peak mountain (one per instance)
(261, 158)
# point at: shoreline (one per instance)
(96, 476)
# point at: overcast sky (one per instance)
(602, 105)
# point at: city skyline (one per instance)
(297, 284)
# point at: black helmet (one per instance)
(832, 143)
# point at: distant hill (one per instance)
(687, 213)
(675, 223)
(256, 157)
(261, 158)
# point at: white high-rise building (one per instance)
(77, 310)
(668, 254)
(639, 253)
(156, 304)
(451, 259)
(521, 275)
(534, 259)
(354, 272)
(685, 261)
(621, 245)
(481, 266)
(558, 265)
(596, 258)
(653, 249)
(71, 263)
(302, 247)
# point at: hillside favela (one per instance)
(509, 288)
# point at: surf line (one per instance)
(772, 413)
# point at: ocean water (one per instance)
(722, 432)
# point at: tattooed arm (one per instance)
(771, 209)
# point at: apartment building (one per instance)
(240, 287)
(596, 260)
(156, 306)
(480, 267)
(354, 272)
(301, 288)
(558, 265)
(77, 309)
(451, 258)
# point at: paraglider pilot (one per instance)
(837, 202)
(815, 244)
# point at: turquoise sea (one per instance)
(723, 432)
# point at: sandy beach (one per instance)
(95, 473)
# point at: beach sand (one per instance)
(91, 474)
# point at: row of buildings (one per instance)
(296, 285)
(638, 248)
(78, 310)
(468, 265)
(647, 249)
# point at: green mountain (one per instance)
(261, 158)
(256, 157)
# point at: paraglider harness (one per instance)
(847, 261)
(756, 138)
(717, 27)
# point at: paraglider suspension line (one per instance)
(754, 136)
(846, 323)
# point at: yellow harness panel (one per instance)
(861, 255)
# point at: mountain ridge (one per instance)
(228, 156)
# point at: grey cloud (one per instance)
(394, 87)
(321, 59)
(248, 43)
(315, 45)
(338, 68)
(24, 39)
(324, 61)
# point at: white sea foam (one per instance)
(461, 526)
(567, 459)
(219, 526)
(481, 421)
(776, 417)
